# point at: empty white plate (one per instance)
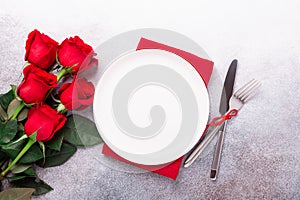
(151, 106)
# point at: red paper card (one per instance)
(204, 68)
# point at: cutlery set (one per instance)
(224, 106)
(229, 106)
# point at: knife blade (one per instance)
(228, 87)
(224, 106)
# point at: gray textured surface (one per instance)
(261, 152)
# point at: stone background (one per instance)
(261, 152)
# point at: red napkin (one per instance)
(204, 68)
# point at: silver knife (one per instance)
(199, 147)
(224, 106)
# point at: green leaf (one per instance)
(13, 149)
(16, 194)
(20, 127)
(32, 155)
(19, 168)
(12, 107)
(8, 131)
(55, 158)
(81, 131)
(6, 98)
(56, 142)
(3, 114)
(3, 159)
(22, 136)
(14, 89)
(14, 178)
(30, 172)
(42, 146)
(23, 114)
(40, 186)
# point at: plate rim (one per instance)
(192, 143)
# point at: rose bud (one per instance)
(45, 120)
(74, 53)
(35, 85)
(77, 95)
(40, 49)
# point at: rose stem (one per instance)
(18, 110)
(22, 152)
(59, 76)
(62, 72)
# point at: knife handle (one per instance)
(199, 149)
(217, 154)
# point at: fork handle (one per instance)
(199, 149)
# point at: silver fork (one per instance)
(237, 101)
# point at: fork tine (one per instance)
(247, 91)
(249, 88)
(244, 88)
(251, 93)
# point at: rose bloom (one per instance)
(77, 95)
(73, 51)
(45, 120)
(40, 49)
(35, 85)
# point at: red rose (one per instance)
(35, 85)
(73, 51)
(77, 95)
(45, 120)
(40, 49)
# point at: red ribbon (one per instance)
(219, 120)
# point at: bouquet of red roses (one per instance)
(36, 123)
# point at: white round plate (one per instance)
(151, 106)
